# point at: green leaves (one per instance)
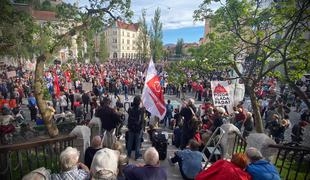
(156, 35)
(179, 48)
(16, 32)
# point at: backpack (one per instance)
(135, 119)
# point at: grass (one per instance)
(302, 169)
(33, 162)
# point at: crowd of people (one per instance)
(111, 164)
(94, 90)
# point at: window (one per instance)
(133, 35)
(114, 32)
(123, 33)
(114, 40)
(127, 47)
(128, 34)
(123, 41)
(128, 41)
(123, 47)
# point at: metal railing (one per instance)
(239, 144)
(293, 162)
(16, 160)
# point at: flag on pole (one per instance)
(56, 85)
(152, 96)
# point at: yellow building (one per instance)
(121, 40)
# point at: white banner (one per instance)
(11, 74)
(221, 93)
(87, 87)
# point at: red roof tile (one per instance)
(131, 27)
(44, 15)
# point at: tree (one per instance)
(16, 32)
(143, 37)
(179, 48)
(80, 47)
(46, 6)
(90, 40)
(75, 20)
(156, 36)
(103, 52)
(252, 34)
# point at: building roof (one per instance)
(131, 27)
(186, 45)
(44, 15)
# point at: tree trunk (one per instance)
(46, 113)
(257, 116)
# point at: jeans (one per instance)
(134, 138)
(167, 119)
(238, 124)
(33, 113)
(177, 159)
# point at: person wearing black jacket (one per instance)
(135, 127)
(71, 98)
(86, 101)
(188, 132)
(110, 119)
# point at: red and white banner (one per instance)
(152, 96)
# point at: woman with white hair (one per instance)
(150, 171)
(71, 169)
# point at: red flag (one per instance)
(56, 86)
(152, 96)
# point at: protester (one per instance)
(38, 174)
(298, 132)
(86, 101)
(91, 151)
(135, 127)
(151, 170)
(223, 169)
(189, 160)
(259, 168)
(188, 111)
(168, 116)
(32, 104)
(109, 120)
(71, 168)
(105, 164)
(248, 125)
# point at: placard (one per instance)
(220, 93)
(11, 74)
(87, 87)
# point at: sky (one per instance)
(176, 16)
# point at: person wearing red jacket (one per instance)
(240, 118)
(223, 169)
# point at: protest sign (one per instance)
(86, 86)
(220, 93)
(11, 74)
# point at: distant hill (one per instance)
(169, 45)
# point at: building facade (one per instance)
(121, 40)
